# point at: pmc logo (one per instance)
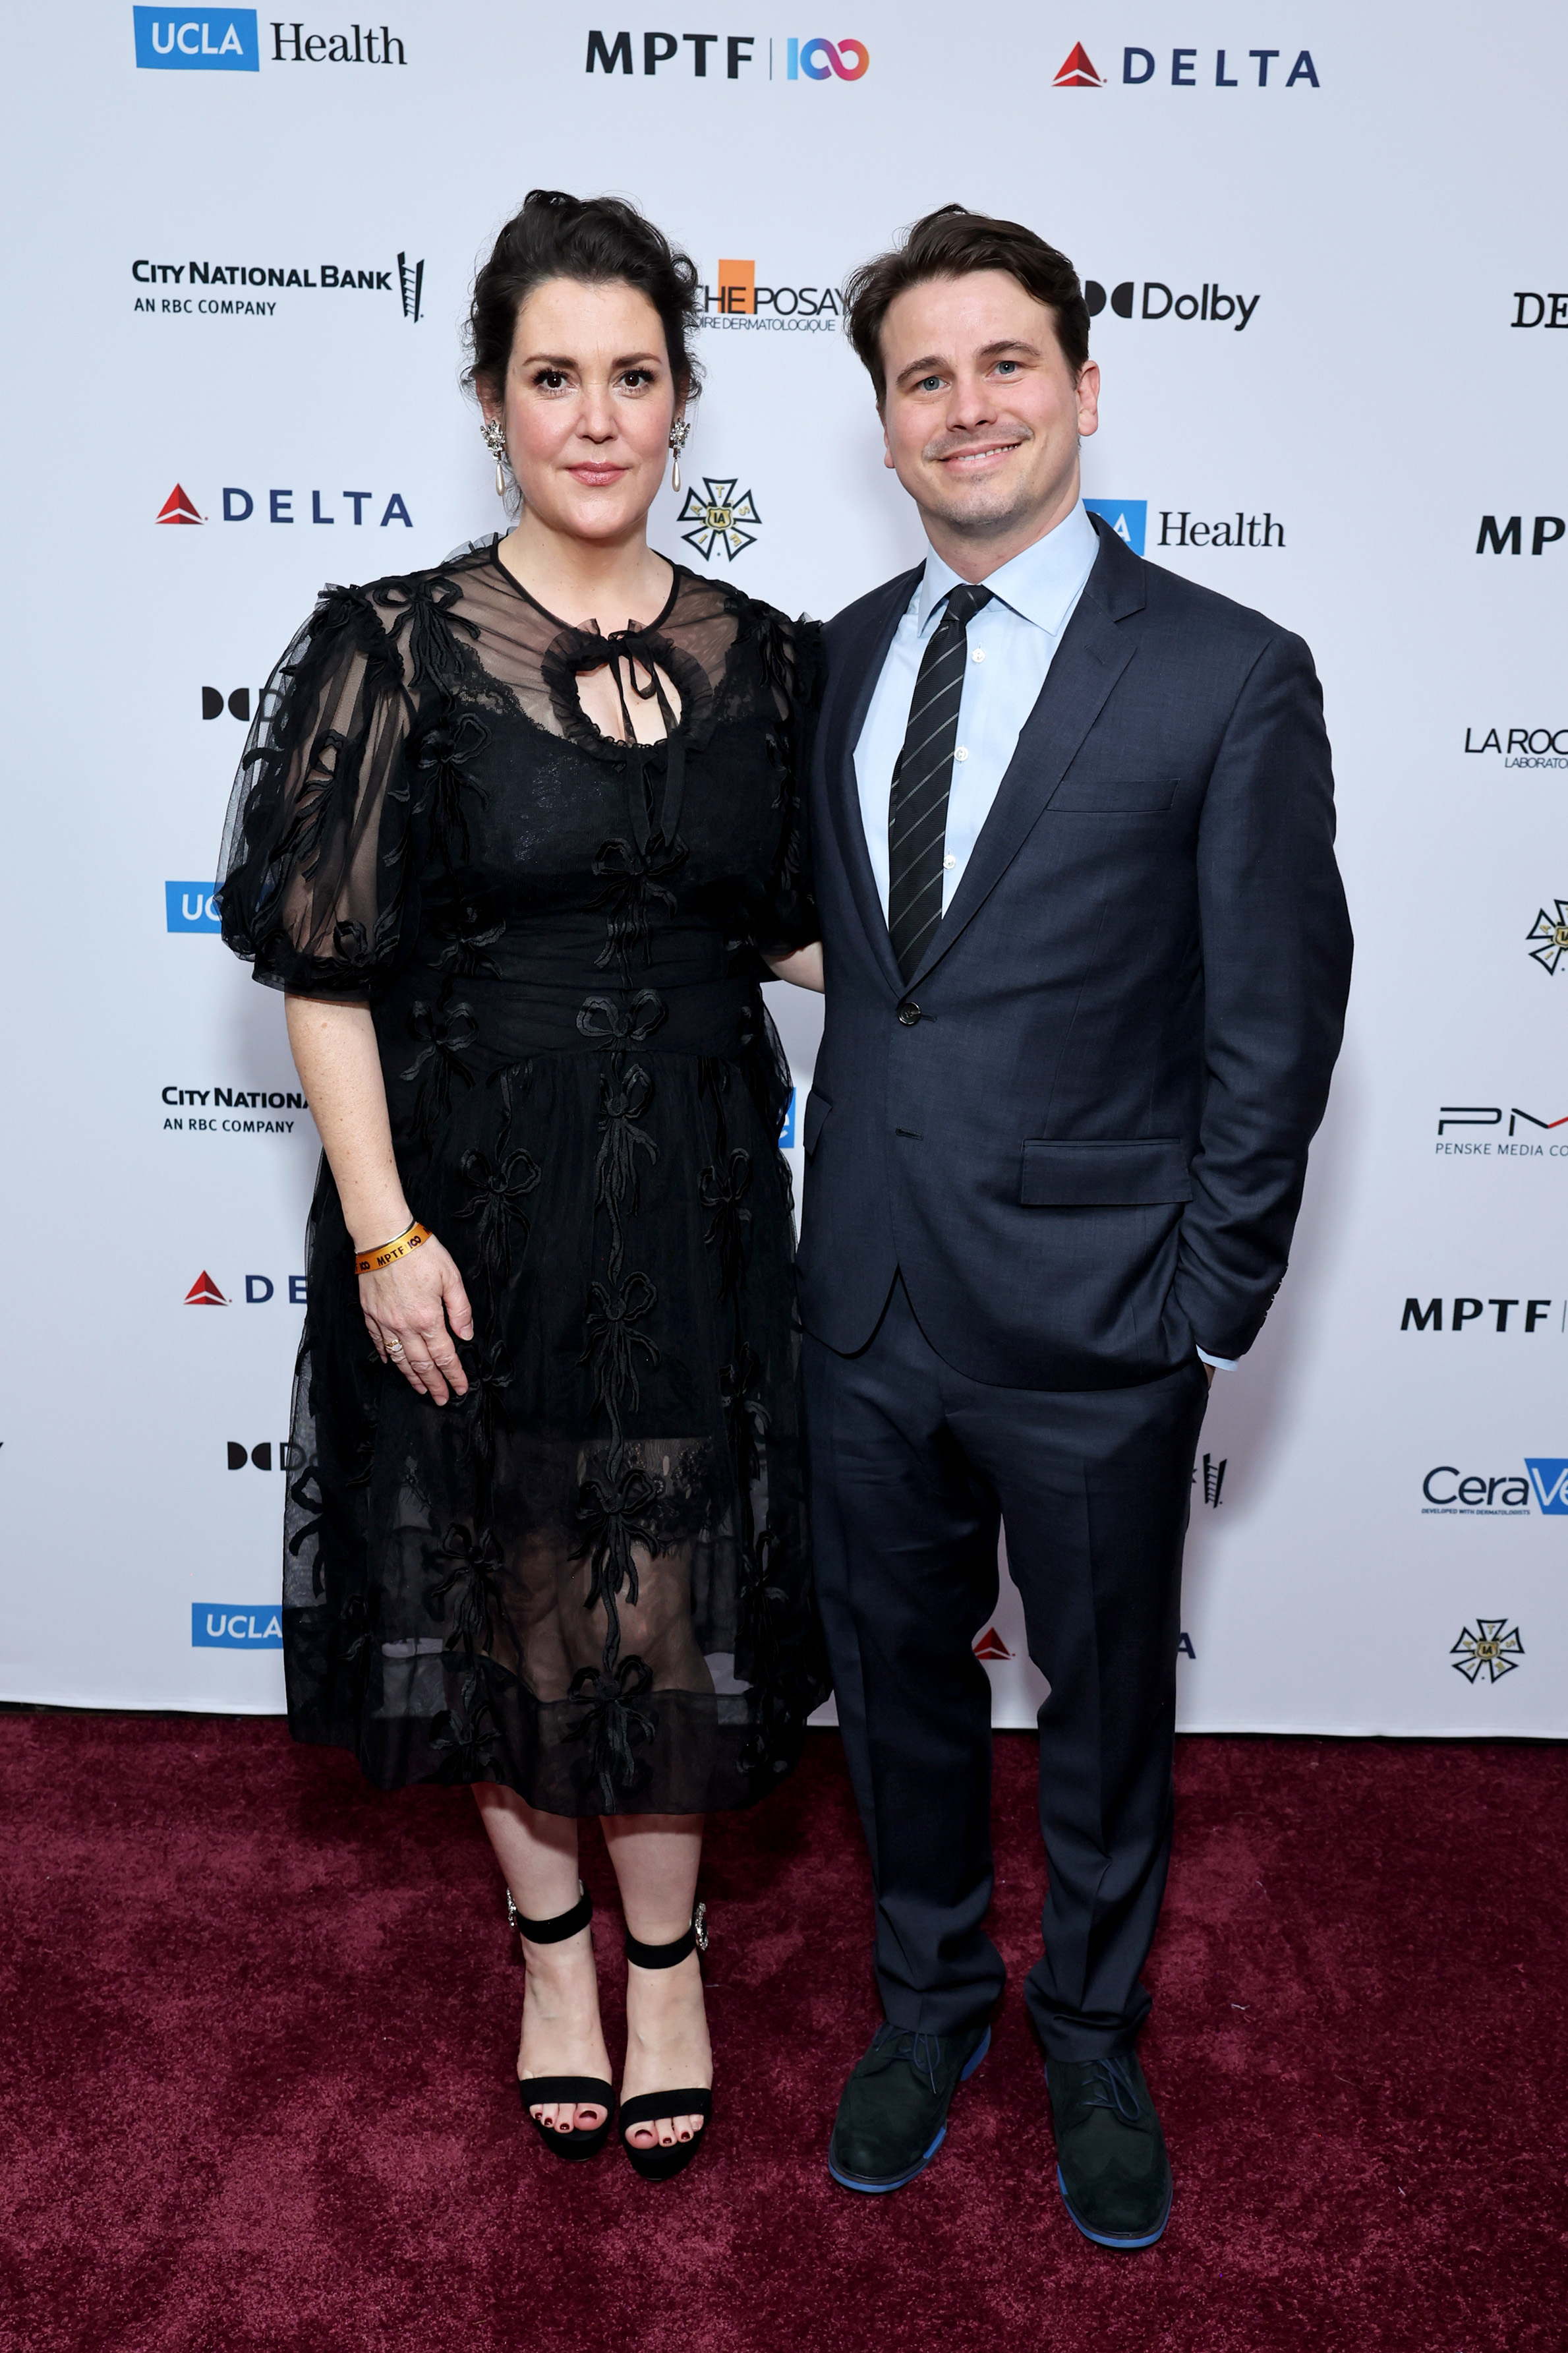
(819, 59)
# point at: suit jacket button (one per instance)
(909, 1013)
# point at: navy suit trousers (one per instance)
(914, 1466)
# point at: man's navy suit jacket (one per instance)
(1080, 1129)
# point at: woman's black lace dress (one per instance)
(588, 1579)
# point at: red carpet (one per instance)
(261, 2025)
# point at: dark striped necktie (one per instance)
(917, 807)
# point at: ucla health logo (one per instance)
(236, 1626)
(191, 907)
(1127, 519)
(820, 60)
(200, 40)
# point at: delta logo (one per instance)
(239, 505)
(1078, 70)
(258, 1290)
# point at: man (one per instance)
(1086, 957)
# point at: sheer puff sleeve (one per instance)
(782, 916)
(314, 867)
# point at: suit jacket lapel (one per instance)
(853, 681)
(1092, 656)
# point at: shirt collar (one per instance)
(1043, 584)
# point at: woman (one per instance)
(511, 835)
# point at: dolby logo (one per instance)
(237, 703)
(286, 1457)
(1154, 300)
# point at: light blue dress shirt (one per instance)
(1012, 643)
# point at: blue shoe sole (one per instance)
(880, 2188)
(1107, 2239)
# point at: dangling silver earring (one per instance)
(678, 433)
(494, 439)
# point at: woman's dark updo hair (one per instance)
(597, 240)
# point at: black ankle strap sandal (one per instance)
(582, 2091)
(663, 2164)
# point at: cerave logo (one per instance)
(236, 1626)
(1128, 518)
(258, 1290)
(404, 279)
(1521, 747)
(1497, 539)
(1514, 1142)
(1211, 305)
(1234, 69)
(199, 40)
(735, 55)
(1426, 1316)
(191, 907)
(1499, 1494)
(239, 505)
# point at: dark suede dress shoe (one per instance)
(892, 2118)
(1112, 2166)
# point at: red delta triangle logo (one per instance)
(1078, 71)
(178, 508)
(990, 1645)
(205, 1292)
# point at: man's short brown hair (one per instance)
(953, 243)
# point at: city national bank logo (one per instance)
(1498, 1495)
(1523, 747)
(1518, 1147)
(735, 301)
(719, 515)
(1550, 933)
(1128, 518)
(200, 40)
(258, 1290)
(231, 1111)
(233, 1626)
(239, 505)
(314, 277)
(1141, 66)
(1212, 306)
(1492, 1644)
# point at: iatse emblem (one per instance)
(719, 515)
(1492, 1644)
(1550, 931)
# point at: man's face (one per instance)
(981, 414)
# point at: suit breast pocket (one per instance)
(1114, 796)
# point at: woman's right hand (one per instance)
(411, 1310)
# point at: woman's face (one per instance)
(588, 408)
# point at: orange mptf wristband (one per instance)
(385, 1254)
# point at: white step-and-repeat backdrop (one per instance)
(1326, 256)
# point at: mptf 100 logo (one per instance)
(810, 58)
